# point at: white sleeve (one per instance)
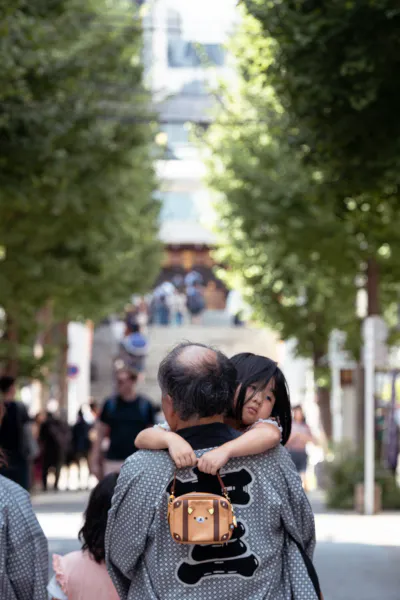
(163, 425)
(55, 590)
(268, 422)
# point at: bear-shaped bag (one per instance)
(201, 518)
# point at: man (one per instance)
(14, 434)
(263, 559)
(123, 417)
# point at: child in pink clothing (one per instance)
(83, 575)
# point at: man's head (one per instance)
(126, 384)
(7, 387)
(197, 383)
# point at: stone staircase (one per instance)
(228, 339)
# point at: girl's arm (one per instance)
(260, 438)
(157, 438)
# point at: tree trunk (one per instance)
(373, 287)
(44, 340)
(63, 379)
(11, 337)
(324, 403)
(323, 400)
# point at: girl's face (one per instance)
(259, 403)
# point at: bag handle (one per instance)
(221, 483)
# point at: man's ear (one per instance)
(168, 410)
(167, 404)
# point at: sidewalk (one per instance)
(357, 556)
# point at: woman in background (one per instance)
(300, 436)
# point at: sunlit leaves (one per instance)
(78, 223)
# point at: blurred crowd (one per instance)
(175, 302)
(35, 448)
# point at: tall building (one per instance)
(185, 57)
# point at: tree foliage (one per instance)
(335, 69)
(299, 219)
(274, 229)
(78, 221)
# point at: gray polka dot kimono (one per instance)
(24, 562)
(261, 562)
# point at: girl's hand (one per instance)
(181, 451)
(212, 461)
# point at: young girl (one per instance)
(83, 575)
(261, 410)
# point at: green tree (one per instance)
(274, 228)
(78, 221)
(334, 68)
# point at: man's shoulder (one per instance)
(150, 469)
(144, 460)
(143, 399)
(110, 401)
(267, 462)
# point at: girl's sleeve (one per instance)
(59, 576)
(163, 425)
(268, 422)
(55, 591)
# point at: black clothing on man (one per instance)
(55, 438)
(13, 443)
(126, 419)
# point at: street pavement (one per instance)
(357, 557)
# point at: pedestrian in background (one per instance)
(55, 441)
(82, 575)
(134, 348)
(14, 435)
(81, 444)
(37, 476)
(163, 311)
(23, 546)
(301, 435)
(123, 417)
(195, 302)
(177, 305)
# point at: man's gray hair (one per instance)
(201, 384)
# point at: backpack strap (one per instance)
(112, 404)
(143, 408)
(309, 566)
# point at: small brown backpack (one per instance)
(201, 518)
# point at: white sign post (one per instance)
(79, 338)
(375, 354)
(338, 359)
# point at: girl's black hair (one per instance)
(94, 529)
(251, 369)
